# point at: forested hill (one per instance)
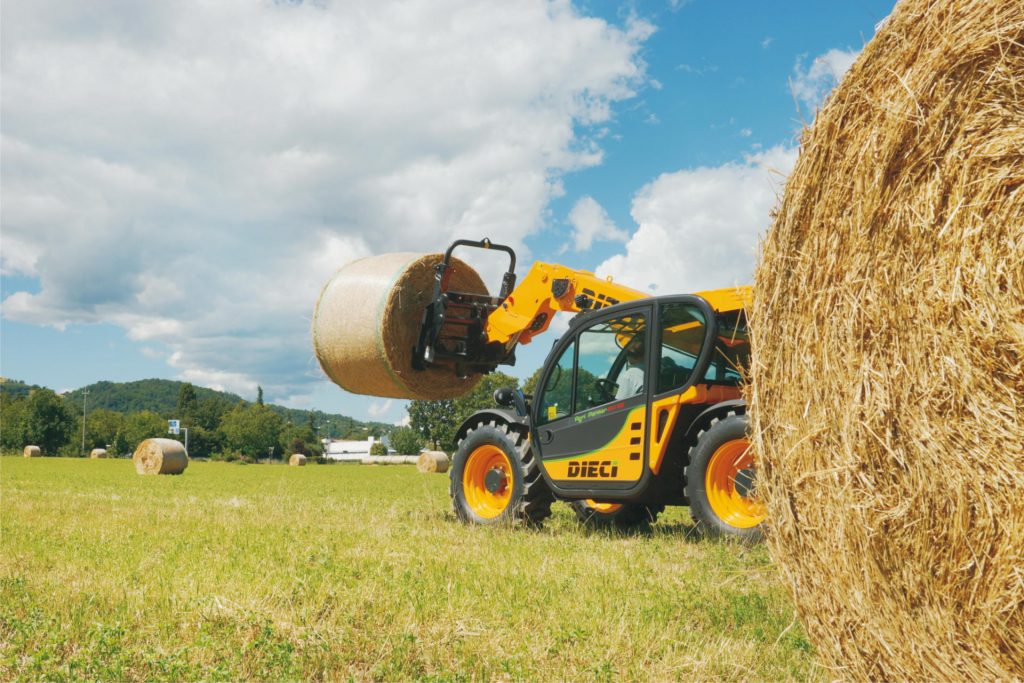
(161, 396)
(157, 395)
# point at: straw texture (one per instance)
(160, 456)
(367, 321)
(98, 453)
(887, 385)
(297, 460)
(432, 462)
(32, 452)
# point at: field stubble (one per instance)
(339, 572)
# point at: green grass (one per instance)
(349, 572)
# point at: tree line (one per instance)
(217, 428)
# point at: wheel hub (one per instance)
(745, 482)
(495, 480)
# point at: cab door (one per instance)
(590, 411)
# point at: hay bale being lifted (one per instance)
(297, 460)
(430, 462)
(160, 456)
(887, 387)
(98, 453)
(32, 452)
(367, 322)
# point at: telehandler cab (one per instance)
(638, 406)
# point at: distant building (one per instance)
(348, 451)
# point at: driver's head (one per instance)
(635, 351)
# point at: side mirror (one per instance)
(504, 396)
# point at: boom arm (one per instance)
(476, 333)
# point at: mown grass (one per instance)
(349, 572)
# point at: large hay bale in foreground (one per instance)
(432, 462)
(160, 456)
(32, 452)
(98, 453)
(367, 322)
(887, 387)
(297, 460)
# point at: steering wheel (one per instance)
(606, 388)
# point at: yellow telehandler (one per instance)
(638, 406)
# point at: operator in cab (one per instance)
(631, 379)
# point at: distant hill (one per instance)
(15, 388)
(161, 396)
(158, 395)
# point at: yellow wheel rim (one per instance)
(603, 508)
(487, 481)
(728, 481)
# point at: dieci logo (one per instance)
(593, 469)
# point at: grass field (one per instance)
(350, 572)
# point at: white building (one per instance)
(347, 451)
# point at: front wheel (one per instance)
(720, 482)
(496, 479)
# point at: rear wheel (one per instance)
(618, 515)
(495, 478)
(720, 482)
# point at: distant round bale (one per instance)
(887, 383)
(367, 320)
(430, 462)
(98, 453)
(297, 460)
(160, 456)
(32, 452)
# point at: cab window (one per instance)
(683, 328)
(556, 397)
(612, 361)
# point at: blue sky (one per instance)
(179, 179)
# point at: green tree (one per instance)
(210, 411)
(406, 441)
(12, 422)
(138, 427)
(253, 430)
(259, 395)
(101, 427)
(203, 443)
(188, 403)
(435, 421)
(48, 422)
(378, 448)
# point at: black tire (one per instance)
(628, 516)
(530, 498)
(717, 435)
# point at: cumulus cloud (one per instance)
(378, 408)
(193, 171)
(698, 229)
(810, 84)
(591, 222)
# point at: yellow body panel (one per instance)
(612, 462)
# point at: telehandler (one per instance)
(638, 406)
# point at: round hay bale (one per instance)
(430, 462)
(98, 453)
(297, 460)
(887, 384)
(32, 452)
(367, 321)
(160, 456)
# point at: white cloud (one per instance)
(810, 85)
(591, 222)
(698, 229)
(378, 408)
(194, 171)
